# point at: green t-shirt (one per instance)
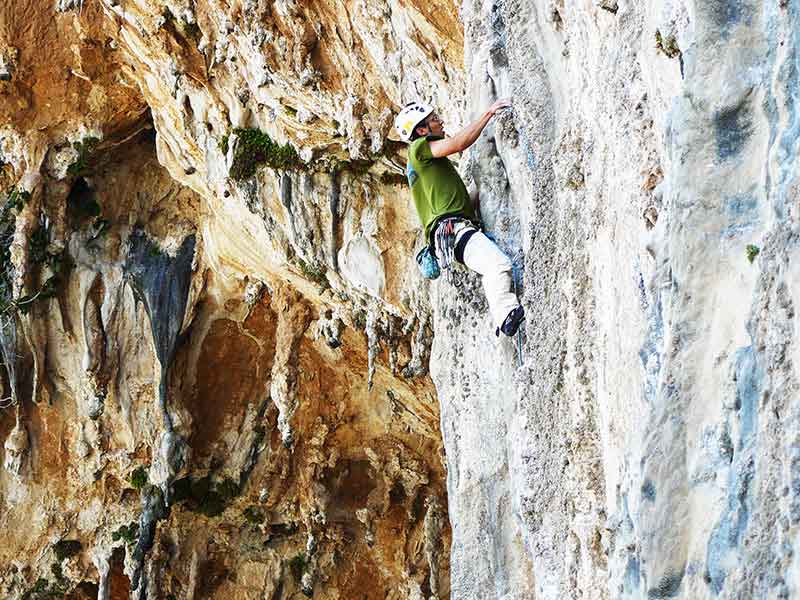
(436, 186)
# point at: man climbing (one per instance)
(446, 210)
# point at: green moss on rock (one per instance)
(204, 496)
(256, 148)
(129, 533)
(43, 590)
(138, 478)
(313, 272)
(297, 564)
(223, 144)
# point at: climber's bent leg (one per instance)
(484, 257)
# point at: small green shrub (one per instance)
(223, 144)
(39, 255)
(752, 252)
(138, 478)
(256, 148)
(297, 564)
(43, 590)
(128, 533)
(39, 591)
(153, 250)
(315, 273)
(16, 199)
(205, 497)
(360, 320)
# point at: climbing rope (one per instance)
(514, 272)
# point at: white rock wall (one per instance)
(646, 448)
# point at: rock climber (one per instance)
(452, 228)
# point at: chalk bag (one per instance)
(428, 265)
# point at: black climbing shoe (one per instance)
(512, 322)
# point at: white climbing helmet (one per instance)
(409, 117)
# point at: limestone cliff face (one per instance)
(216, 371)
(223, 377)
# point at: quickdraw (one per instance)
(445, 240)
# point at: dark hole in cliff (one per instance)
(187, 106)
(82, 202)
(86, 590)
(278, 532)
(119, 585)
(148, 134)
(351, 483)
(425, 587)
(418, 507)
(397, 494)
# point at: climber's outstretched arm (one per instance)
(467, 136)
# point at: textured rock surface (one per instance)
(647, 450)
(216, 377)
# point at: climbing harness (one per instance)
(447, 251)
(443, 252)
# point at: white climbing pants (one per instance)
(484, 257)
